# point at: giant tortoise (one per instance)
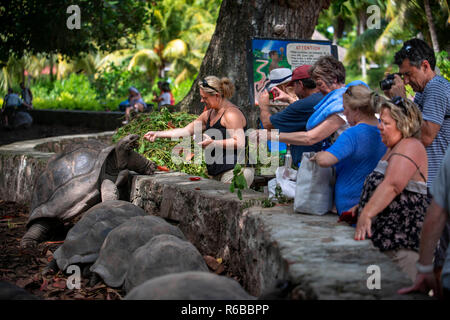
(163, 254)
(84, 240)
(73, 182)
(191, 285)
(119, 245)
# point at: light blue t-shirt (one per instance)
(358, 150)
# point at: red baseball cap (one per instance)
(301, 72)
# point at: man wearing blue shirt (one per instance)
(295, 116)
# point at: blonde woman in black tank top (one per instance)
(221, 115)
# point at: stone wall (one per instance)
(259, 245)
(263, 245)
(22, 162)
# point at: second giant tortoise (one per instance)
(163, 254)
(72, 183)
(192, 285)
(118, 247)
(85, 238)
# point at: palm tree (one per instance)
(177, 37)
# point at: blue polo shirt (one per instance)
(293, 119)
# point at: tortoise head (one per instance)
(129, 142)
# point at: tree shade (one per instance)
(40, 26)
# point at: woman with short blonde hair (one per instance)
(395, 196)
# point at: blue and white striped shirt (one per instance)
(434, 102)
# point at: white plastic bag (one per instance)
(314, 188)
(285, 177)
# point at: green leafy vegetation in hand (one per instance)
(160, 151)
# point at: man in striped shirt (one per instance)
(416, 61)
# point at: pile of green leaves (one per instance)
(160, 150)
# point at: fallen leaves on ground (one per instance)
(23, 267)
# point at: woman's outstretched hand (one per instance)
(151, 136)
(206, 141)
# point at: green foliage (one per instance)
(443, 64)
(115, 81)
(238, 182)
(281, 198)
(41, 26)
(73, 93)
(160, 150)
(267, 203)
(182, 89)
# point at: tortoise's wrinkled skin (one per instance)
(71, 182)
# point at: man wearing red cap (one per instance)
(295, 116)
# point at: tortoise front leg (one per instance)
(39, 231)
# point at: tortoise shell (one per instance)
(85, 238)
(70, 184)
(118, 247)
(163, 254)
(191, 285)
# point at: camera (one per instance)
(387, 83)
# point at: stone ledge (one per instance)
(22, 162)
(263, 245)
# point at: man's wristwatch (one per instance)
(424, 269)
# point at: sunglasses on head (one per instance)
(400, 102)
(206, 85)
(349, 91)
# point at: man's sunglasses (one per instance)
(206, 85)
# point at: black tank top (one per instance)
(229, 162)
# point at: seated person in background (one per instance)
(136, 103)
(328, 119)
(223, 116)
(11, 103)
(395, 193)
(295, 116)
(27, 96)
(166, 97)
(357, 150)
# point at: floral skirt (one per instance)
(399, 225)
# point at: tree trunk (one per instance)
(338, 29)
(240, 21)
(434, 40)
(52, 78)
